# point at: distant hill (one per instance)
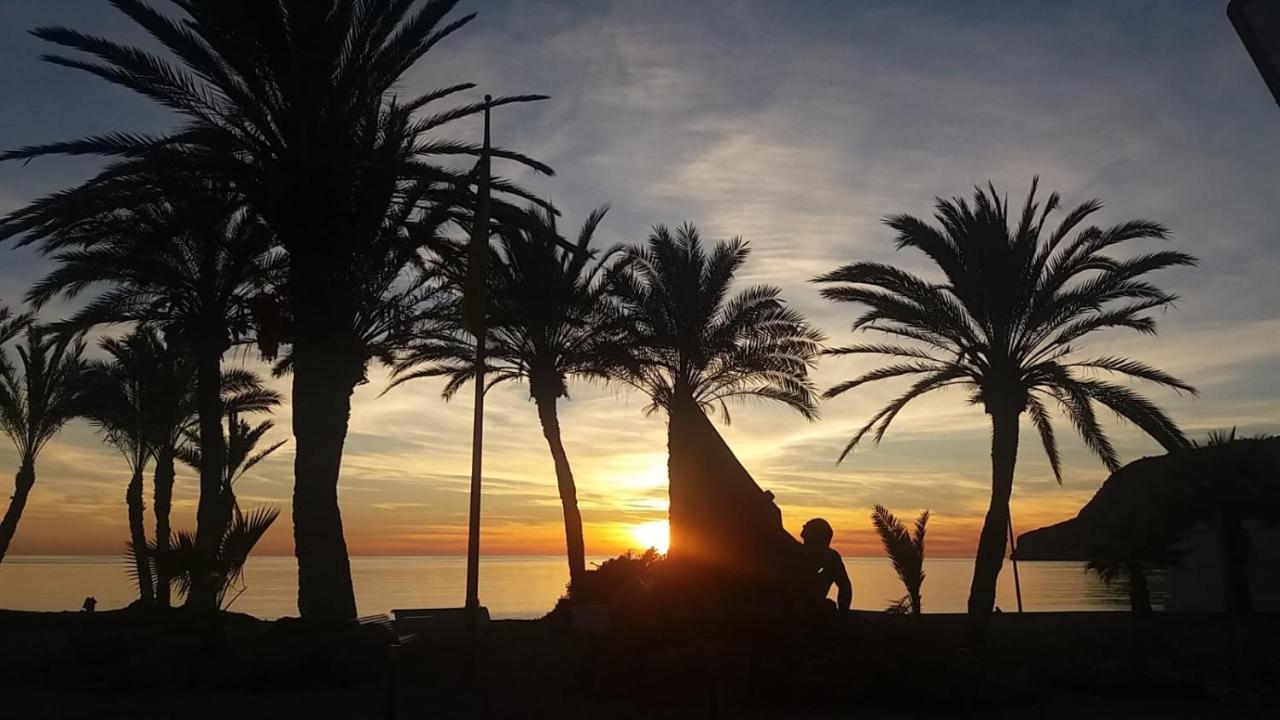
(1151, 480)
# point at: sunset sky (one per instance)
(797, 126)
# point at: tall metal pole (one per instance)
(474, 315)
(1013, 555)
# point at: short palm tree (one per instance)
(115, 401)
(551, 319)
(905, 549)
(192, 567)
(1005, 322)
(188, 264)
(694, 348)
(38, 395)
(292, 106)
(1123, 552)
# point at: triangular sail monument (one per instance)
(722, 522)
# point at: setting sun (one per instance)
(654, 534)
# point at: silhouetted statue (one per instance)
(817, 535)
(722, 522)
(89, 604)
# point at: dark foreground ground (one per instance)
(1041, 665)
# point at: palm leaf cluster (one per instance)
(551, 315)
(1007, 320)
(693, 340)
(188, 564)
(39, 393)
(905, 549)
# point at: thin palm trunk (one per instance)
(138, 535)
(321, 409)
(1233, 549)
(574, 544)
(163, 480)
(991, 544)
(22, 484)
(1139, 592)
(212, 515)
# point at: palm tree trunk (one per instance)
(322, 386)
(1235, 563)
(991, 544)
(568, 491)
(1139, 593)
(22, 484)
(138, 536)
(163, 481)
(212, 513)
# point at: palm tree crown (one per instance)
(691, 340)
(1006, 320)
(40, 393)
(550, 314)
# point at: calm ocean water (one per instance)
(518, 586)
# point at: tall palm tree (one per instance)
(291, 105)
(694, 349)
(905, 549)
(115, 402)
(34, 405)
(1005, 322)
(551, 319)
(188, 264)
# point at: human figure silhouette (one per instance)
(817, 535)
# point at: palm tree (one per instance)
(1005, 322)
(905, 549)
(694, 349)
(168, 405)
(1226, 486)
(187, 264)
(34, 405)
(291, 105)
(205, 572)
(243, 394)
(116, 404)
(192, 567)
(1125, 551)
(551, 320)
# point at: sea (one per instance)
(522, 587)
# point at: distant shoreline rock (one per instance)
(1143, 481)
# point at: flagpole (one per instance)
(1013, 555)
(474, 315)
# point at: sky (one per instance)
(797, 126)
